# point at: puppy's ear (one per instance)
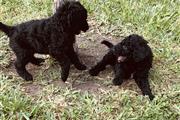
(74, 14)
(140, 51)
(70, 18)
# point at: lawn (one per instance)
(157, 20)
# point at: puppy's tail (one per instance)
(107, 43)
(6, 29)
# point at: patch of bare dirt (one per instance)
(90, 86)
(31, 89)
(90, 48)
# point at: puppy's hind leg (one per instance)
(20, 63)
(142, 81)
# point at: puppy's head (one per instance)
(132, 47)
(121, 52)
(74, 15)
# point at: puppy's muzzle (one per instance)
(121, 59)
(85, 27)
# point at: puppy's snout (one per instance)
(85, 27)
(121, 59)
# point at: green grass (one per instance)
(158, 21)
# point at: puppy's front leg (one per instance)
(65, 67)
(119, 74)
(108, 59)
(63, 61)
(74, 59)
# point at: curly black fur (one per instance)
(137, 62)
(54, 36)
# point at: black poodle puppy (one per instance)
(131, 57)
(54, 36)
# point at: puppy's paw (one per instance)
(151, 97)
(64, 77)
(28, 77)
(117, 81)
(81, 67)
(92, 72)
(64, 80)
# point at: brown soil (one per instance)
(31, 89)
